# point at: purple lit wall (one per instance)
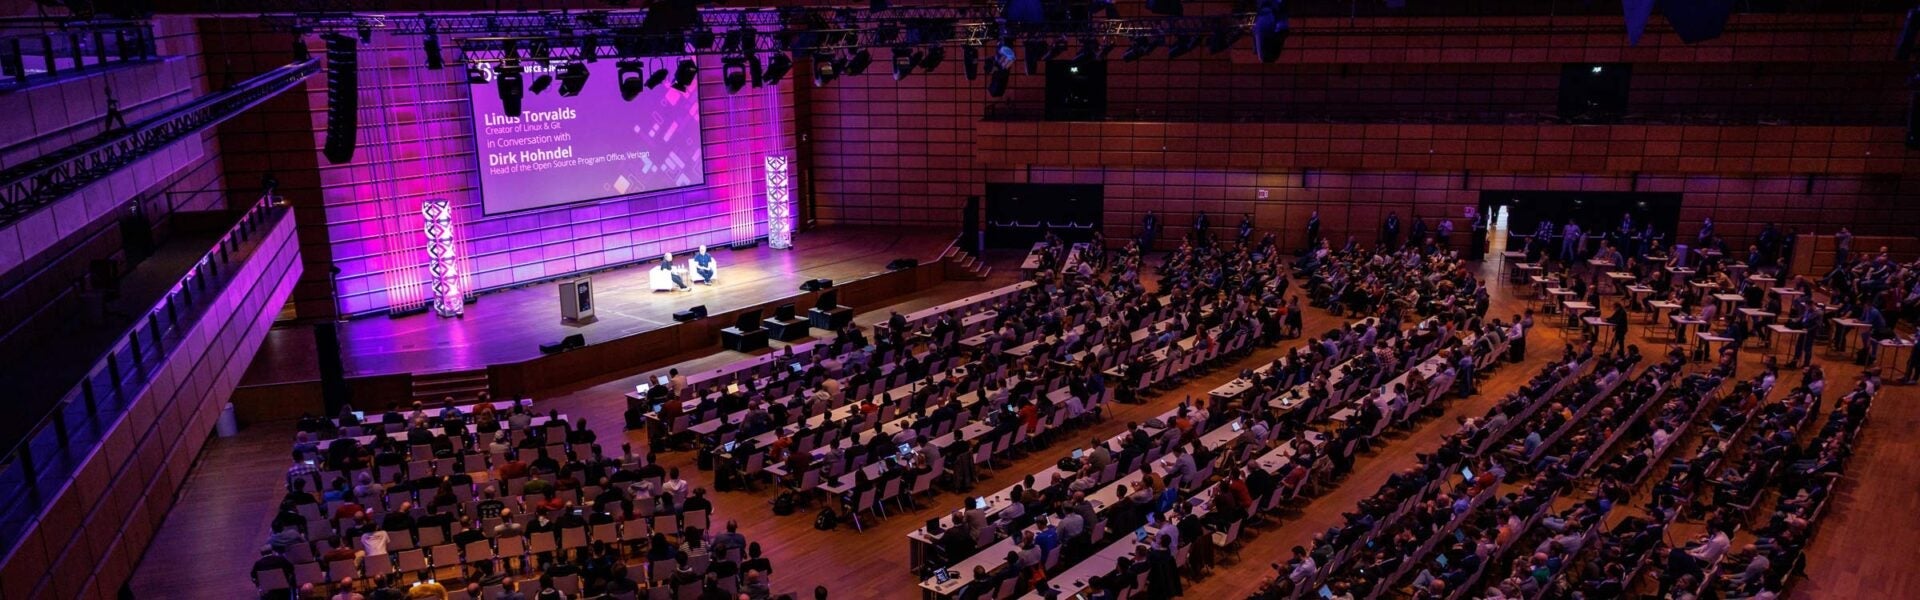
(416, 143)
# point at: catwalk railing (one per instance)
(37, 50)
(40, 182)
(34, 467)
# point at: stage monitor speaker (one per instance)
(571, 342)
(334, 393)
(697, 312)
(815, 285)
(343, 98)
(903, 263)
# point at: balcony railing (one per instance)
(35, 51)
(48, 455)
(1023, 112)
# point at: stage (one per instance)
(509, 325)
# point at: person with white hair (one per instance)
(703, 265)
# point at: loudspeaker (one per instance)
(903, 263)
(1913, 121)
(333, 373)
(1697, 20)
(571, 342)
(343, 97)
(697, 312)
(815, 285)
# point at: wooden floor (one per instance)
(509, 325)
(1865, 548)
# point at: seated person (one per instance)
(666, 266)
(704, 265)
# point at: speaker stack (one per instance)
(343, 97)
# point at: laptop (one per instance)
(1326, 592)
(1236, 426)
(663, 380)
(1078, 453)
(980, 503)
(733, 388)
(728, 447)
(1140, 535)
(1467, 472)
(797, 368)
(904, 449)
(642, 388)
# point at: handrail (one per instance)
(63, 46)
(79, 420)
(33, 184)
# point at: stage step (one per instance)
(463, 386)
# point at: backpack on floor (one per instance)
(783, 504)
(826, 520)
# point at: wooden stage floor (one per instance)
(206, 545)
(509, 325)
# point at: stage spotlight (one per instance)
(733, 72)
(1182, 45)
(1140, 47)
(590, 48)
(683, 75)
(512, 86)
(732, 44)
(858, 64)
(1035, 50)
(885, 33)
(905, 60)
(1270, 28)
(631, 82)
(777, 67)
(540, 84)
(476, 75)
(1054, 51)
(970, 62)
(434, 61)
(825, 69)
(703, 39)
(934, 56)
(997, 82)
(659, 75)
(573, 77)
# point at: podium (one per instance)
(831, 319)
(576, 301)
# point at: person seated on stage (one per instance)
(703, 265)
(666, 264)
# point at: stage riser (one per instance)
(600, 360)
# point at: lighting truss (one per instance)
(488, 38)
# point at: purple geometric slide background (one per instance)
(562, 150)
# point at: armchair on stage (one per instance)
(661, 280)
(701, 277)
